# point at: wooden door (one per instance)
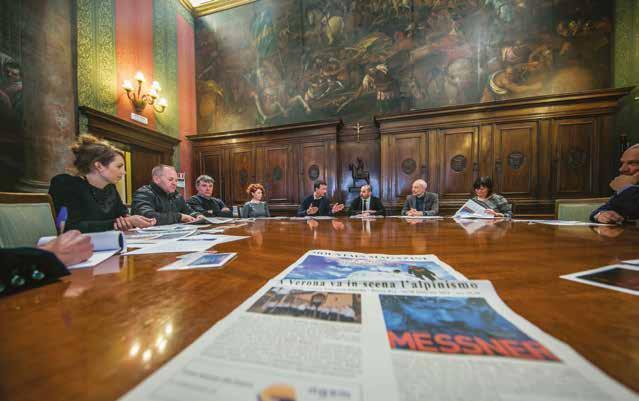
(211, 164)
(142, 162)
(408, 162)
(275, 171)
(515, 155)
(457, 149)
(574, 156)
(242, 173)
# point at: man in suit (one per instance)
(317, 204)
(366, 204)
(204, 202)
(421, 203)
(624, 204)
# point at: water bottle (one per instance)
(235, 211)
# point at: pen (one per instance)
(61, 220)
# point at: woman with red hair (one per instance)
(256, 207)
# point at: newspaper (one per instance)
(312, 339)
(472, 210)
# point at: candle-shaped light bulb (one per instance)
(156, 85)
(139, 76)
(127, 85)
(162, 102)
(153, 93)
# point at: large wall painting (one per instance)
(283, 61)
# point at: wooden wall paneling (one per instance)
(312, 167)
(574, 141)
(434, 167)
(485, 155)
(212, 164)
(609, 153)
(354, 142)
(458, 158)
(242, 165)
(409, 151)
(330, 170)
(515, 153)
(275, 170)
(544, 158)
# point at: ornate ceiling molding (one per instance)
(214, 6)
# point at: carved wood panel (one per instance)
(242, 165)
(212, 164)
(313, 166)
(275, 169)
(142, 162)
(458, 155)
(573, 149)
(515, 151)
(409, 154)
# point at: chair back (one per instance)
(24, 218)
(577, 209)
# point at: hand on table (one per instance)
(608, 217)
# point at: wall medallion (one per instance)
(576, 158)
(243, 178)
(409, 166)
(516, 160)
(458, 163)
(277, 173)
(313, 172)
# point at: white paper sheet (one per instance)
(631, 262)
(173, 246)
(614, 277)
(193, 261)
(418, 217)
(95, 259)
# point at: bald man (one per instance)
(421, 203)
(624, 204)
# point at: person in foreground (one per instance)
(624, 204)
(160, 200)
(366, 204)
(91, 199)
(204, 202)
(421, 203)
(495, 204)
(23, 268)
(256, 207)
(317, 204)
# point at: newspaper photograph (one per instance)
(622, 277)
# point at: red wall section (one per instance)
(134, 50)
(186, 97)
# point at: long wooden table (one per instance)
(94, 337)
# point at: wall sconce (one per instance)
(139, 100)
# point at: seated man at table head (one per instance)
(160, 200)
(255, 207)
(204, 202)
(317, 204)
(93, 203)
(624, 204)
(495, 204)
(421, 203)
(366, 203)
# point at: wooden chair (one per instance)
(577, 209)
(24, 218)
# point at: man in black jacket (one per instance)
(366, 204)
(161, 201)
(204, 202)
(317, 204)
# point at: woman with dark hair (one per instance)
(255, 207)
(91, 199)
(495, 205)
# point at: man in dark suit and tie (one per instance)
(421, 203)
(366, 204)
(624, 204)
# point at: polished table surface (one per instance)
(95, 336)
